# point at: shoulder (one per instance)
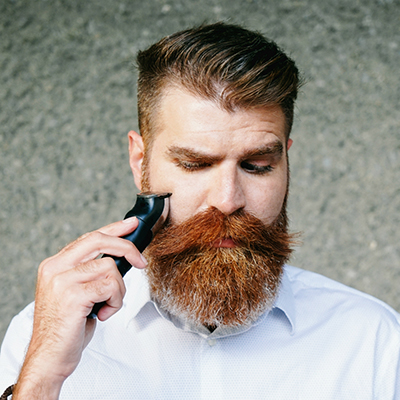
(20, 327)
(325, 296)
(14, 346)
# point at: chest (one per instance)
(166, 363)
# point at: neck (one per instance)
(211, 328)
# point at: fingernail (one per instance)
(143, 259)
(129, 220)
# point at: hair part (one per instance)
(232, 66)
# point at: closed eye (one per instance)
(256, 169)
(190, 160)
(191, 166)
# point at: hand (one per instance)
(68, 286)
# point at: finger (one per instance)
(95, 243)
(120, 228)
(100, 268)
(76, 290)
(108, 245)
(106, 290)
(116, 229)
(106, 311)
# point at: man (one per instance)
(217, 313)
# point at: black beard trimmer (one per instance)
(151, 209)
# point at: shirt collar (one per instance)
(138, 295)
(285, 301)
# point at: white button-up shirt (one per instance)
(322, 340)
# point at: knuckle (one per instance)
(95, 287)
(114, 285)
(97, 239)
(72, 245)
(123, 289)
(100, 267)
(86, 267)
(108, 262)
(45, 269)
(69, 294)
(95, 236)
(58, 284)
(102, 288)
(119, 302)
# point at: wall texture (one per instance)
(67, 100)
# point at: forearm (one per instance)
(35, 381)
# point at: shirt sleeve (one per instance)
(14, 347)
(387, 358)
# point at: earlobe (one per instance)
(136, 153)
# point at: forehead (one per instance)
(184, 119)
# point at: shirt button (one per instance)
(212, 342)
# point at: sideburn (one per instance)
(145, 179)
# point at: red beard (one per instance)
(214, 286)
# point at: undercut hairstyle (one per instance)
(232, 66)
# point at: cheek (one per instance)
(267, 203)
(186, 201)
(186, 193)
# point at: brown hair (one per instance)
(228, 64)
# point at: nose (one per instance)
(226, 190)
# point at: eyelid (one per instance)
(270, 159)
(256, 169)
(190, 165)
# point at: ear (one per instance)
(289, 144)
(136, 152)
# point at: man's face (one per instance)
(219, 260)
(208, 157)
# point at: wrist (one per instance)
(8, 392)
(35, 382)
(36, 389)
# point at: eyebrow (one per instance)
(191, 154)
(275, 149)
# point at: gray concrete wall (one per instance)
(67, 100)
